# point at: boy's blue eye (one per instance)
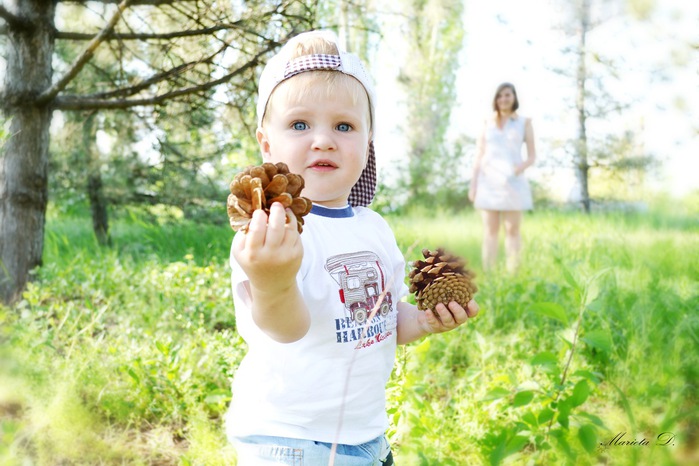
(299, 126)
(344, 127)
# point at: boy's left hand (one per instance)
(444, 318)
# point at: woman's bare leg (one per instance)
(513, 238)
(491, 228)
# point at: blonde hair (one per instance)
(307, 83)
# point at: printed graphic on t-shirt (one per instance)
(361, 280)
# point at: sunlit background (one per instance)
(651, 67)
(118, 337)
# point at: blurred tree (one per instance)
(154, 68)
(357, 24)
(619, 166)
(612, 155)
(434, 38)
(95, 193)
(582, 166)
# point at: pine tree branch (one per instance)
(145, 84)
(135, 89)
(68, 35)
(134, 3)
(84, 57)
(11, 18)
(162, 75)
(86, 103)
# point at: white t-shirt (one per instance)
(304, 389)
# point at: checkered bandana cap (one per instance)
(279, 69)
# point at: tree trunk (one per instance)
(95, 193)
(581, 163)
(24, 160)
(98, 207)
(435, 36)
(344, 33)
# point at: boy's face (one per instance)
(325, 140)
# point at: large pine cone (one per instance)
(441, 278)
(259, 187)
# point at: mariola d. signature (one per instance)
(663, 439)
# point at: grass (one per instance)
(123, 355)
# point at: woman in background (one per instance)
(498, 187)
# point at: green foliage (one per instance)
(180, 152)
(128, 352)
(123, 356)
(552, 396)
(619, 167)
(493, 392)
(355, 22)
(434, 39)
(4, 135)
(641, 9)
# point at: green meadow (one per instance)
(588, 355)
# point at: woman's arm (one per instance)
(531, 149)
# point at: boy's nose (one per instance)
(323, 140)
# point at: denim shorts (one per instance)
(263, 450)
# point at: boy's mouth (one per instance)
(323, 165)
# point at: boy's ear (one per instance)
(263, 141)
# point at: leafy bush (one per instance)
(124, 354)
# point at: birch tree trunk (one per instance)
(582, 166)
(435, 37)
(24, 158)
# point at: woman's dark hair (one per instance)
(500, 88)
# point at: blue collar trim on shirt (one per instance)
(343, 212)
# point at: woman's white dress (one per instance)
(498, 187)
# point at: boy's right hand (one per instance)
(270, 252)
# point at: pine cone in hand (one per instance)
(259, 187)
(441, 278)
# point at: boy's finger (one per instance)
(275, 225)
(255, 237)
(291, 228)
(444, 315)
(238, 245)
(459, 313)
(472, 309)
(431, 319)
